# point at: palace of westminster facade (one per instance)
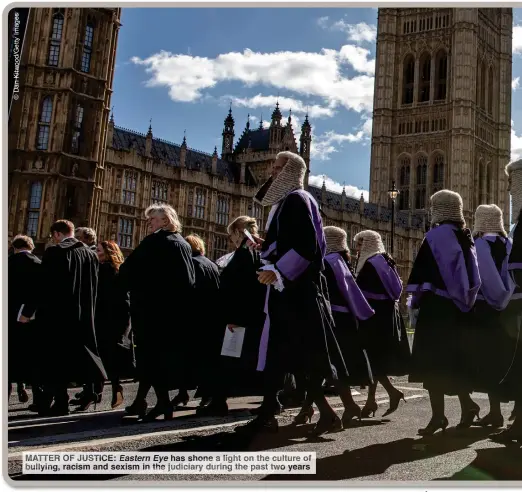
(441, 119)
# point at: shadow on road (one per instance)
(493, 464)
(377, 458)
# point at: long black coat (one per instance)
(23, 277)
(208, 325)
(112, 320)
(159, 275)
(242, 300)
(65, 316)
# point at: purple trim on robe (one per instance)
(269, 250)
(375, 297)
(389, 277)
(461, 281)
(515, 266)
(263, 343)
(426, 286)
(316, 217)
(354, 298)
(496, 288)
(339, 309)
(292, 265)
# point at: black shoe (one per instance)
(205, 401)
(507, 436)
(213, 409)
(180, 399)
(88, 400)
(259, 425)
(468, 417)
(490, 420)
(327, 425)
(138, 407)
(263, 409)
(434, 425)
(23, 397)
(55, 410)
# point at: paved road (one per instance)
(376, 449)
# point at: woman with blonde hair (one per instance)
(158, 273)
(209, 329)
(241, 303)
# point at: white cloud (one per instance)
(323, 22)
(517, 39)
(332, 185)
(285, 104)
(516, 144)
(515, 83)
(306, 73)
(359, 33)
(329, 142)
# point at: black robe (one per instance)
(111, 321)
(347, 332)
(159, 275)
(208, 326)
(242, 300)
(68, 289)
(511, 385)
(301, 340)
(384, 334)
(23, 271)
(444, 341)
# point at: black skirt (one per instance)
(443, 347)
(495, 349)
(354, 355)
(386, 341)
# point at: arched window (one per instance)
(481, 182)
(56, 38)
(483, 76)
(87, 48)
(404, 183)
(422, 170)
(438, 173)
(44, 124)
(487, 179)
(441, 75)
(424, 77)
(223, 210)
(33, 213)
(408, 80)
(490, 90)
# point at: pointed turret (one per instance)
(228, 135)
(148, 140)
(183, 152)
(214, 161)
(305, 142)
(110, 130)
(275, 129)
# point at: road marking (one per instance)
(137, 437)
(72, 415)
(409, 388)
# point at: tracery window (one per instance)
(33, 214)
(44, 124)
(408, 80)
(55, 42)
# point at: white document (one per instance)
(233, 342)
(20, 313)
(249, 236)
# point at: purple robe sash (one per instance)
(356, 303)
(496, 288)
(462, 281)
(389, 277)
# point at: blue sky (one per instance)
(182, 67)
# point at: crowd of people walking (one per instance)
(309, 310)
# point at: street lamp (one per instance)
(393, 192)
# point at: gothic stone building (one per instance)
(441, 119)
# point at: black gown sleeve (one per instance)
(297, 237)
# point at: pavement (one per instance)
(376, 449)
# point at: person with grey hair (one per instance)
(23, 277)
(495, 344)
(514, 376)
(444, 283)
(298, 336)
(158, 273)
(87, 236)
